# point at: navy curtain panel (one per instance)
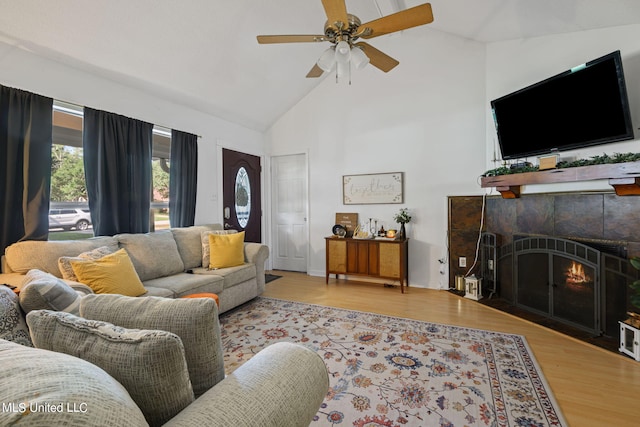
(183, 178)
(25, 165)
(117, 164)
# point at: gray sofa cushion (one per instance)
(194, 320)
(28, 255)
(153, 254)
(189, 243)
(37, 376)
(158, 292)
(12, 324)
(232, 275)
(185, 284)
(150, 364)
(44, 291)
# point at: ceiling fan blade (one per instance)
(304, 38)
(378, 58)
(315, 72)
(336, 11)
(402, 20)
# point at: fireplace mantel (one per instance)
(623, 177)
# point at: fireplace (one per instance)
(583, 284)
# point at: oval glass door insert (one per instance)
(243, 197)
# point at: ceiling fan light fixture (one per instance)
(359, 59)
(343, 52)
(343, 47)
(327, 60)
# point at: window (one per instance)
(243, 197)
(68, 186)
(69, 216)
(161, 152)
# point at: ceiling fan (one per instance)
(343, 29)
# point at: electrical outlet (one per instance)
(462, 261)
(490, 264)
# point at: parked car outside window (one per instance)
(69, 218)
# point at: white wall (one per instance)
(424, 118)
(23, 70)
(515, 64)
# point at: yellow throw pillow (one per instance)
(111, 274)
(227, 250)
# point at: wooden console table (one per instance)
(380, 258)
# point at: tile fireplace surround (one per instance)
(600, 220)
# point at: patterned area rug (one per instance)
(394, 372)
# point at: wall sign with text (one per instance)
(372, 188)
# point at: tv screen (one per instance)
(584, 106)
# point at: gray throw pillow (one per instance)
(44, 291)
(153, 254)
(189, 244)
(149, 364)
(82, 393)
(206, 248)
(12, 324)
(194, 320)
(64, 263)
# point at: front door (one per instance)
(241, 194)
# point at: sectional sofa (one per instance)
(170, 263)
(127, 361)
(156, 359)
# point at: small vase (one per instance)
(403, 234)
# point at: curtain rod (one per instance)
(74, 105)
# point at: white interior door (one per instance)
(289, 212)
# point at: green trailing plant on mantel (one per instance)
(595, 160)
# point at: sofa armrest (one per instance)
(257, 254)
(4, 267)
(282, 386)
(13, 279)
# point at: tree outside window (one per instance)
(67, 174)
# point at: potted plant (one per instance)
(402, 217)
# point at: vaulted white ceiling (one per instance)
(204, 54)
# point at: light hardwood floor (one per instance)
(594, 387)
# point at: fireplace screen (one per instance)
(533, 281)
(559, 279)
(583, 284)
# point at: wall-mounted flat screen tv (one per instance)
(586, 105)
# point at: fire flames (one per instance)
(576, 274)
